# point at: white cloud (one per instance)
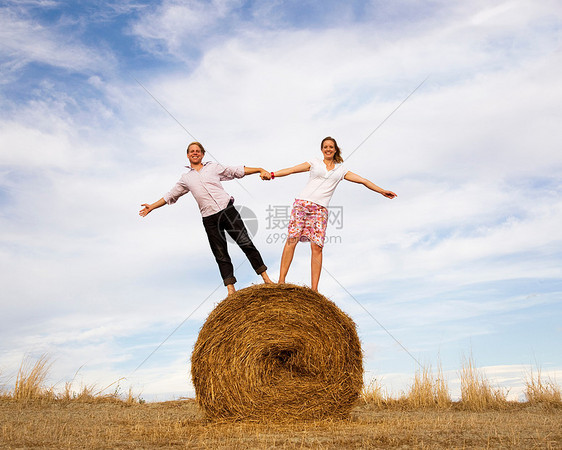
(177, 27)
(26, 41)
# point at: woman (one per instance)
(309, 216)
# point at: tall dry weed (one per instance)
(86, 393)
(539, 391)
(428, 390)
(31, 378)
(372, 394)
(441, 390)
(477, 393)
(30, 385)
(91, 393)
(3, 391)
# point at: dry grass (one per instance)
(373, 394)
(476, 392)
(31, 378)
(179, 424)
(428, 391)
(30, 386)
(539, 391)
(92, 419)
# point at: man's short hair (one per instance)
(198, 144)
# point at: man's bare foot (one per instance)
(231, 289)
(266, 278)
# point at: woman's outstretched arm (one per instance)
(304, 167)
(353, 177)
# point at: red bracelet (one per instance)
(272, 176)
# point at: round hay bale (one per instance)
(277, 352)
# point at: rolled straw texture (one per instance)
(277, 352)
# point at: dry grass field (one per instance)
(32, 416)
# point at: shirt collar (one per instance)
(204, 164)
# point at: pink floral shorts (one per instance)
(308, 222)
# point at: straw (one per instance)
(277, 352)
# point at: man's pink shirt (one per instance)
(206, 187)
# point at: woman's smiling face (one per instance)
(328, 149)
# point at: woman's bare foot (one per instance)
(231, 289)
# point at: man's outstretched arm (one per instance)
(264, 174)
(147, 208)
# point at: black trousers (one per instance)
(228, 220)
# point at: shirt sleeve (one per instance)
(176, 192)
(227, 173)
(343, 172)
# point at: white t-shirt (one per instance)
(322, 182)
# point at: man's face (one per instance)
(194, 154)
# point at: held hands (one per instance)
(265, 175)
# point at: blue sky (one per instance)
(467, 260)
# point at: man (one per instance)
(217, 209)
